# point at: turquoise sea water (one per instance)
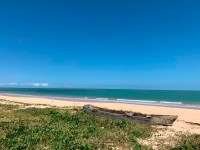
(161, 97)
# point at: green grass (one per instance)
(189, 142)
(52, 128)
(4, 107)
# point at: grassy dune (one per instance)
(54, 128)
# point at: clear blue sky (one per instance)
(105, 43)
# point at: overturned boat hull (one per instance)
(165, 120)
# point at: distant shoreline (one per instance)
(106, 100)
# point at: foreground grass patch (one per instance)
(51, 128)
(189, 142)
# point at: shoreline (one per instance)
(188, 119)
(170, 104)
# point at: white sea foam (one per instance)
(101, 98)
(141, 101)
(167, 102)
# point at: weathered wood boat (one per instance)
(149, 119)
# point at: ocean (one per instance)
(171, 98)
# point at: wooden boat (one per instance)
(149, 119)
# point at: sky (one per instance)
(139, 44)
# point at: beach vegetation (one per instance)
(62, 128)
(188, 142)
(54, 128)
